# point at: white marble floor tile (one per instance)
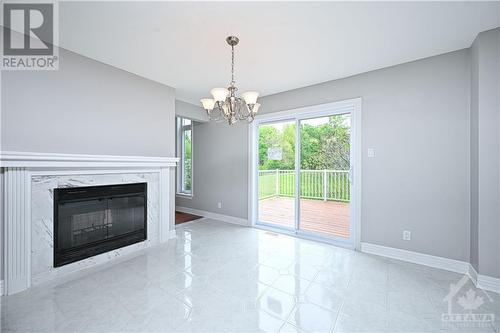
(181, 281)
(289, 328)
(277, 303)
(267, 275)
(359, 316)
(217, 277)
(247, 321)
(327, 297)
(201, 295)
(333, 278)
(291, 284)
(279, 261)
(167, 316)
(310, 317)
(304, 270)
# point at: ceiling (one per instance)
(283, 45)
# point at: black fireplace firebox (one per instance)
(97, 219)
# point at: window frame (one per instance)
(180, 174)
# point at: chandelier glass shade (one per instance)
(225, 105)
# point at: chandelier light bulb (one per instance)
(250, 97)
(219, 94)
(208, 103)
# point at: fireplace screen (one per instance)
(93, 220)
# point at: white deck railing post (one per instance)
(277, 183)
(310, 181)
(325, 182)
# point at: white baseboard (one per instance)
(215, 216)
(472, 274)
(488, 283)
(481, 281)
(416, 258)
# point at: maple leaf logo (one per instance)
(470, 301)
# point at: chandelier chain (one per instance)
(232, 66)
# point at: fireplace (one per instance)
(96, 219)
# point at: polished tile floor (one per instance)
(217, 277)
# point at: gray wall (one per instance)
(1, 224)
(220, 165)
(415, 115)
(190, 111)
(485, 153)
(86, 107)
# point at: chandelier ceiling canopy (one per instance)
(225, 105)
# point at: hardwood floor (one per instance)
(326, 217)
(185, 217)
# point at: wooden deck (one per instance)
(327, 217)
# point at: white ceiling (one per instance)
(283, 45)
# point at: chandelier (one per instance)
(225, 105)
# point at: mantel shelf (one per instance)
(56, 160)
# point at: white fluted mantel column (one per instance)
(17, 233)
(167, 209)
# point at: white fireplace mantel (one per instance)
(47, 160)
(18, 169)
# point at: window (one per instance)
(184, 152)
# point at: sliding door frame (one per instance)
(352, 106)
(285, 229)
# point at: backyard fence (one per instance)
(314, 184)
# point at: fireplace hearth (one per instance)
(92, 220)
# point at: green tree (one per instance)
(187, 160)
(323, 146)
(288, 145)
(268, 137)
(310, 144)
(336, 145)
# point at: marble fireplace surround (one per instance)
(29, 180)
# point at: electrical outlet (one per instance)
(219, 204)
(371, 152)
(406, 235)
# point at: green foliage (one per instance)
(187, 160)
(323, 146)
(268, 137)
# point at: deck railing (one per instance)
(314, 184)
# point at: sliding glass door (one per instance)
(303, 174)
(324, 176)
(276, 174)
